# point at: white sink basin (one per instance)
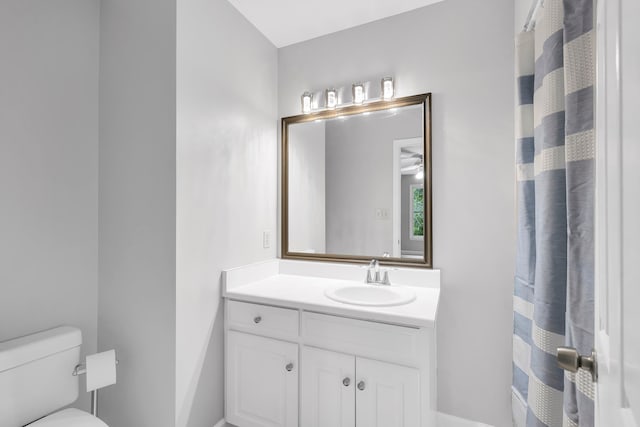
(371, 295)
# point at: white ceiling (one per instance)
(286, 22)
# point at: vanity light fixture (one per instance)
(358, 93)
(420, 173)
(306, 102)
(331, 98)
(387, 88)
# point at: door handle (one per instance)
(346, 382)
(570, 360)
(361, 386)
(289, 367)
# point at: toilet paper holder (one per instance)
(81, 369)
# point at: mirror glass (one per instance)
(357, 183)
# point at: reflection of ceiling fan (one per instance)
(410, 162)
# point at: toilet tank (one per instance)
(36, 374)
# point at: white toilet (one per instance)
(36, 380)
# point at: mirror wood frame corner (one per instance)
(348, 110)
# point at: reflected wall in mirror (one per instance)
(356, 183)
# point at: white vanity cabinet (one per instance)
(262, 381)
(387, 395)
(327, 395)
(287, 367)
(340, 390)
(261, 372)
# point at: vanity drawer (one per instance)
(263, 319)
(391, 343)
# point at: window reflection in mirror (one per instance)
(356, 183)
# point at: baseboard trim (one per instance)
(221, 423)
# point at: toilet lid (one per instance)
(69, 418)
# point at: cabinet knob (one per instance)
(361, 385)
(289, 367)
(257, 319)
(346, 382)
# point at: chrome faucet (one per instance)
(374, 267)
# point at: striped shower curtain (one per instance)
(555, 148)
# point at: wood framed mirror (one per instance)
(356, 183)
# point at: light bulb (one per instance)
(358, 93)
(306, 102)
(331, 98)
(387, 88)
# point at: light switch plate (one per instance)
(382, 214)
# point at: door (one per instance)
(387, 395)
(618, 213)
(261, 381)
(408, 157)
(328, 382)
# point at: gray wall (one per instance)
(137, 209)
(307, 177)
(359, 177)
(462, 51)
(226, 180)
(48, 168)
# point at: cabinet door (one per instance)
(261, 381)
(328, 389)
(387, 395)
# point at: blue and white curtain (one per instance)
(555, 150)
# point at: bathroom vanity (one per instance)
(297, 357)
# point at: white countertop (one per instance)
(308, 293)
